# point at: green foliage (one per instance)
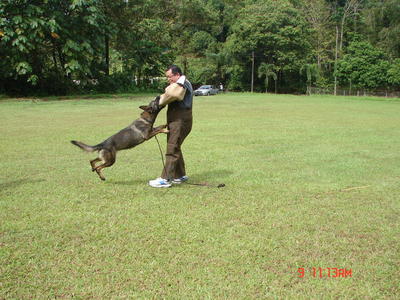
(382, 25)
(267, 70)
(322, 36)
(237, 82)
(220, 60)
(200, 72)
(123, 83)
(51, 36)
(275, 31)
(201, 41)
(363, 66)
(312, 72)
(394, 72)
(144, 47)
(212, 40)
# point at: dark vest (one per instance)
(187, 101)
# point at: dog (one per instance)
(136, 133)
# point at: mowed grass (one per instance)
(311, 182)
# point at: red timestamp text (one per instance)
(325, 272)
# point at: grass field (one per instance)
(311, 183)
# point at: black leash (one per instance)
(162, 155)
(198, 184)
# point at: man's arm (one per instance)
(174, 92)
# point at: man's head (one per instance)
(173, 73)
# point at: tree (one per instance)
(394, 73)
(267, 71)
(275, 31)
(382, 25)
(45, 45)
(311, 71)
(192, 16)
(342, 10)
(47, 42)
(142, 42)
(144, 48)
(220, 60)
(363, 66)
(201, 41)
(317, 14)
(350, 8)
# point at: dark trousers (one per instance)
(179, 125)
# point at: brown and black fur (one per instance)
(136, 133)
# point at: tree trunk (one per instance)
(252, 71)
(185, 65)
(62, 61)
(276, 81)
(139, 77)
(336, 58)
(107, 54)
(54, 54)
(341, 33)
(350, 88)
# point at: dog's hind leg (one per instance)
(98, 171)
(108, 159)
(93, 163)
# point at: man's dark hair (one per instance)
(175, 69)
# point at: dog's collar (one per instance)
(145, 120)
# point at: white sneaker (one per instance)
(160, 183)
(180, 180)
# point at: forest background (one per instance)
(55, 47)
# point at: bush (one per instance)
(51, 84)
(124, 83)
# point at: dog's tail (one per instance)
(85, 147)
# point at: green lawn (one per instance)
(311, 182)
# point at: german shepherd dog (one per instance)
(136, 133)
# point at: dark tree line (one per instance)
(284, 46)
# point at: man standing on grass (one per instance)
(179, 97)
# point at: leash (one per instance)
(197, 184)
(161, 153)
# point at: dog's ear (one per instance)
(144, 107)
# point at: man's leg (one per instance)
(175, 164)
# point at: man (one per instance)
(179, 98)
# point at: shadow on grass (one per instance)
(15, 183)
(126, 182)
(212, 175)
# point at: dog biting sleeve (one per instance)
(173, 92)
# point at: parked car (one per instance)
(206, 90)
